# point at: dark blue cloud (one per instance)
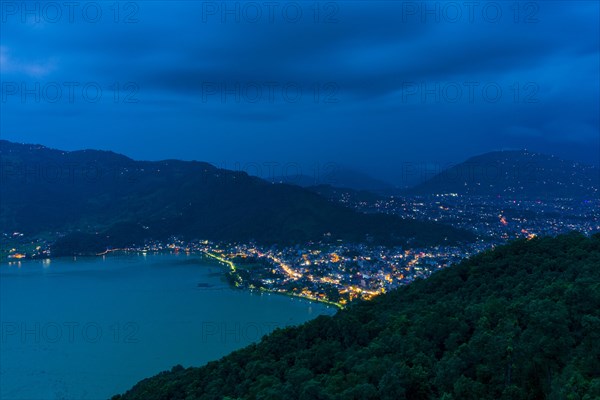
(366, 84)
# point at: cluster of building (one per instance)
(335, 273)
(339, 272)
(495, 218)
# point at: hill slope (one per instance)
(110, 200)
(515, 174)
(520, 322)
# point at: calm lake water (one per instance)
(92, 327)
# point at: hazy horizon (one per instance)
(294, 172)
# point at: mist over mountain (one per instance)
(102, 199)
(338, 177)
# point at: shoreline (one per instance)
(231, 266)
(233, 269)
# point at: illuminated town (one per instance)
(496, 218)
(338, 273)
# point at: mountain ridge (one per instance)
(514, 173)
(116, 201)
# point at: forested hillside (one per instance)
(101, 199)
(517, 323)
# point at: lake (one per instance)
(93, 327)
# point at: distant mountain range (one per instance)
(501, 173)
(338, 177)
(108, 200)
(341, 194)
(515, 174)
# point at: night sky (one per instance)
(365, 85)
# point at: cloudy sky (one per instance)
(368, 85)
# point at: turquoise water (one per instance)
(93, 327)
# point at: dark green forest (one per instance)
(99, 199)
(521, 322)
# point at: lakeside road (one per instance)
(221, 259)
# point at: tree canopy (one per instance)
(519, 322)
